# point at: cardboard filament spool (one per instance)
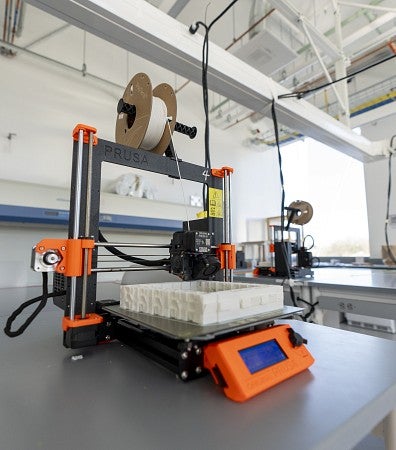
(306, 212)
(131, 128)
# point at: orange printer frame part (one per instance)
(90, 319)
(71, 252)
(221, 173)
(87, 129)
(226, 252)
(228, 369)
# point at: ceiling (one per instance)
(294, 40)
(285, 38)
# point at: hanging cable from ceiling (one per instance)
(301, 94)
(205, 60)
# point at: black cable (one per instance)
(294, 300)
(317, 261)
(301, 94)
(292, 296)
(134, 259)
(276, 129)
(312, 306)
(222, 14)
(313, 242)
(282, 226)
(43, 298)
(205, 98)
(388, 247)
(205, 94)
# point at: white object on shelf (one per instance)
(371, 323)
(202, 302)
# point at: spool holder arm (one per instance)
(291, 214)
(130, 110)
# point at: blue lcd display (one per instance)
(262, 355)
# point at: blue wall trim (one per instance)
(27, 214)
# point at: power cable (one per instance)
(43, 298)
(205, 96)
(312, 242)
(276, 129)
(294, 300)
(282, 226)
(301, 94)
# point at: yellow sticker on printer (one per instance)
(215, 203)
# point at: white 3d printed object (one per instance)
(202, 302)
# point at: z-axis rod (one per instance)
(76, 218)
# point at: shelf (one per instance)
(50, 216)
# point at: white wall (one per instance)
(41, 103)
(376, 178)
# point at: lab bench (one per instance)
(345, 293)
(111, 396)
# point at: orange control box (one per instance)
(249, 364)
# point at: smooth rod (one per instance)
(124, 244)
(127, 269)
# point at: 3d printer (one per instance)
(202, 250)
(289, 255)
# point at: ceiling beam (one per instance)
(177, 7)
(293, 14)
(146, 31)
(362, 32)
(365, 6)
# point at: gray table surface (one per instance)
(365, 278)
(115, 398)
(373, 279)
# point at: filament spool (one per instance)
(147, 127)
(305, 215)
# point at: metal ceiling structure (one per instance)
(332, 39)
(148, 32)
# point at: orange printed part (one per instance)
(220, 173)
(272, 247)
(227, 252)
(87, 129)
(217, 173)
(71, 252)
(227, 169)
(228, 368)
(90, 319)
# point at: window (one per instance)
(334, 185)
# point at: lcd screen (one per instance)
(262, 355)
